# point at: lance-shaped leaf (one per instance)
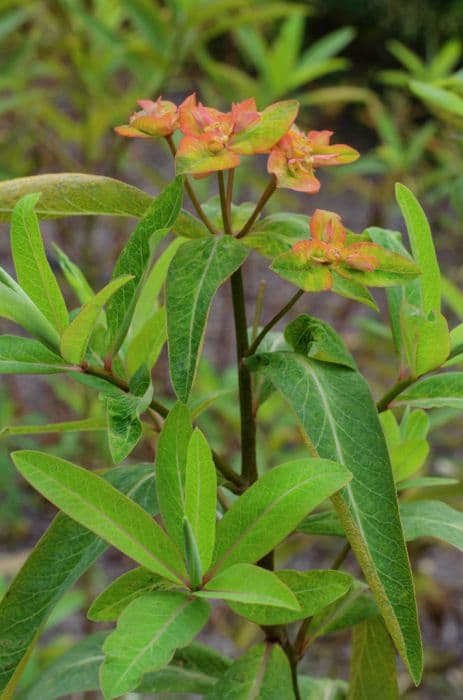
(422, 246)
(74, 276)
(201, 495)
(196, 272)
(64, 553)
(135, 257)
(16, 306)
(441, 390)
(313, 590)
(69, 194)
(148, 632)
(26, 356)
(409, 293)
(115, 598)
(194, 669)
(76, 336)
(148, 300)
(95, 504)
(75, 671)
(270, 509)
(246, 583)
(426, 339)
(356, 606)
(33, 270)
(71, 426)
(145, 347)
(337, 413)
(123, 411)
(171, 458)
(373, 667)
(263, 673)
(433, 519)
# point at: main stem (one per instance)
(248, 423)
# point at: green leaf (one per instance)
(444, 389)
(124, 411)
(69, 194)
(171, 458)
(321, 688)
(33, 270)
(135, 257)
(422, 482)
(324, 523)
(246, 583)
(192, 558)
(438, 97)
(76, 336)
(408, 457)
(145, 347)
(351, 289)
(201, 495)
(271, 508)
(263, 673)
(426, 339)
(422, 246)
(61, 556)
(148, 632)
(194, 669)
(131, 585)
(315, 338)
(356, 606)
(26, 356)
(75, 671)
(336, 411)
(277, 233)
(148, 299)
(313, 590)
(16, 306)
(274, 122)
(433, 519)
(72, 426)
(74, 276)
(196, 272)
(373, 667)
(95, 504)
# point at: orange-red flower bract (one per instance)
(159, 118)
(296, 156)
(215, 140)
(327, 245)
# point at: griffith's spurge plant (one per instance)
(218, 528)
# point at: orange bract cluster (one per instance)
(214, 140)
(327, 247)
(296, 156)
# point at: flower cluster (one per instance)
(294, 158)
(213, 140)
(315, 263)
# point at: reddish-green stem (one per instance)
(269, 190)
(191, 193)
(268, 327)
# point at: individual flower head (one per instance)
(159, 118)
(314, 263)
(215, 140)
(296, 156)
